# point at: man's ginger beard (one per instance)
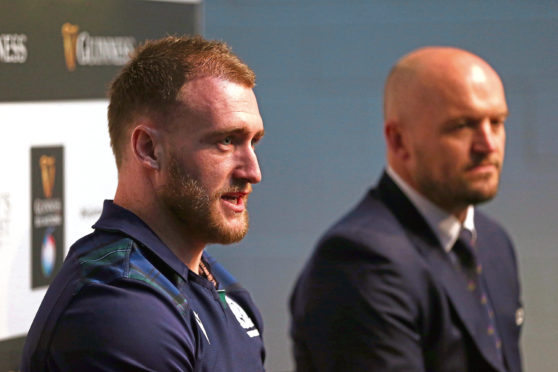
(200, 213)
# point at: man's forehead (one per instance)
(215, 105)
(214, 92)
(210, 93)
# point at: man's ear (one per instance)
(145, 146)
(395, 139)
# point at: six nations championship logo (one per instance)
(81, 48)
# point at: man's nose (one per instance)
(248, 167)
(486, 137)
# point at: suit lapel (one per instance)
(497, 280)
(466, 305)
(450, 278)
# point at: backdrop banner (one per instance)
(57, 59)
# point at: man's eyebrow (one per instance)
(260, 134)
(234, 131)
(473, 117)
(501, 114)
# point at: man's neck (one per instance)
(405, 182)
(444, 224)
(189, 250)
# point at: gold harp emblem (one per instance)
(69, 38)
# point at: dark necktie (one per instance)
(465, 250)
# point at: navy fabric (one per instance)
(472, 269)
(124, 302)
(380, 294)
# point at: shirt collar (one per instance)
(445, 225)
(118, 219)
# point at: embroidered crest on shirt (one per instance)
(242, 318)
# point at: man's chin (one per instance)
(481, 195)
(230, 230)
(229, 237)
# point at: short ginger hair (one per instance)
(152, 79)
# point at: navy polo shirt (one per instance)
(124, 302)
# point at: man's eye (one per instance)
(497, 122)
(255, 141)
(227, 140)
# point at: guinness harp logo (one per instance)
(69, 38)
(48, 171)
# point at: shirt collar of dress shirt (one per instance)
(446, 226)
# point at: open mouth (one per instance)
(232, 199)
(235, 200)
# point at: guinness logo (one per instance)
(83, 49)
(69, 38)
(48, 171)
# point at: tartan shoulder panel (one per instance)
(106, 263)
(123, 259)
(143, 270)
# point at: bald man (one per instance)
(415, 278)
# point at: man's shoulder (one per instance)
(121, 258)
(108, 289)
(366, 257)
(102, 258)
(489, 229)
(370, 224)
(484, 220)
(365, 244)
(124, 308)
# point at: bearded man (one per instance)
(140, 293)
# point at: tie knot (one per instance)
(464, 248)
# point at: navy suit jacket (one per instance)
(380, 294)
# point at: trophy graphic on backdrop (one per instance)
(48, 172)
